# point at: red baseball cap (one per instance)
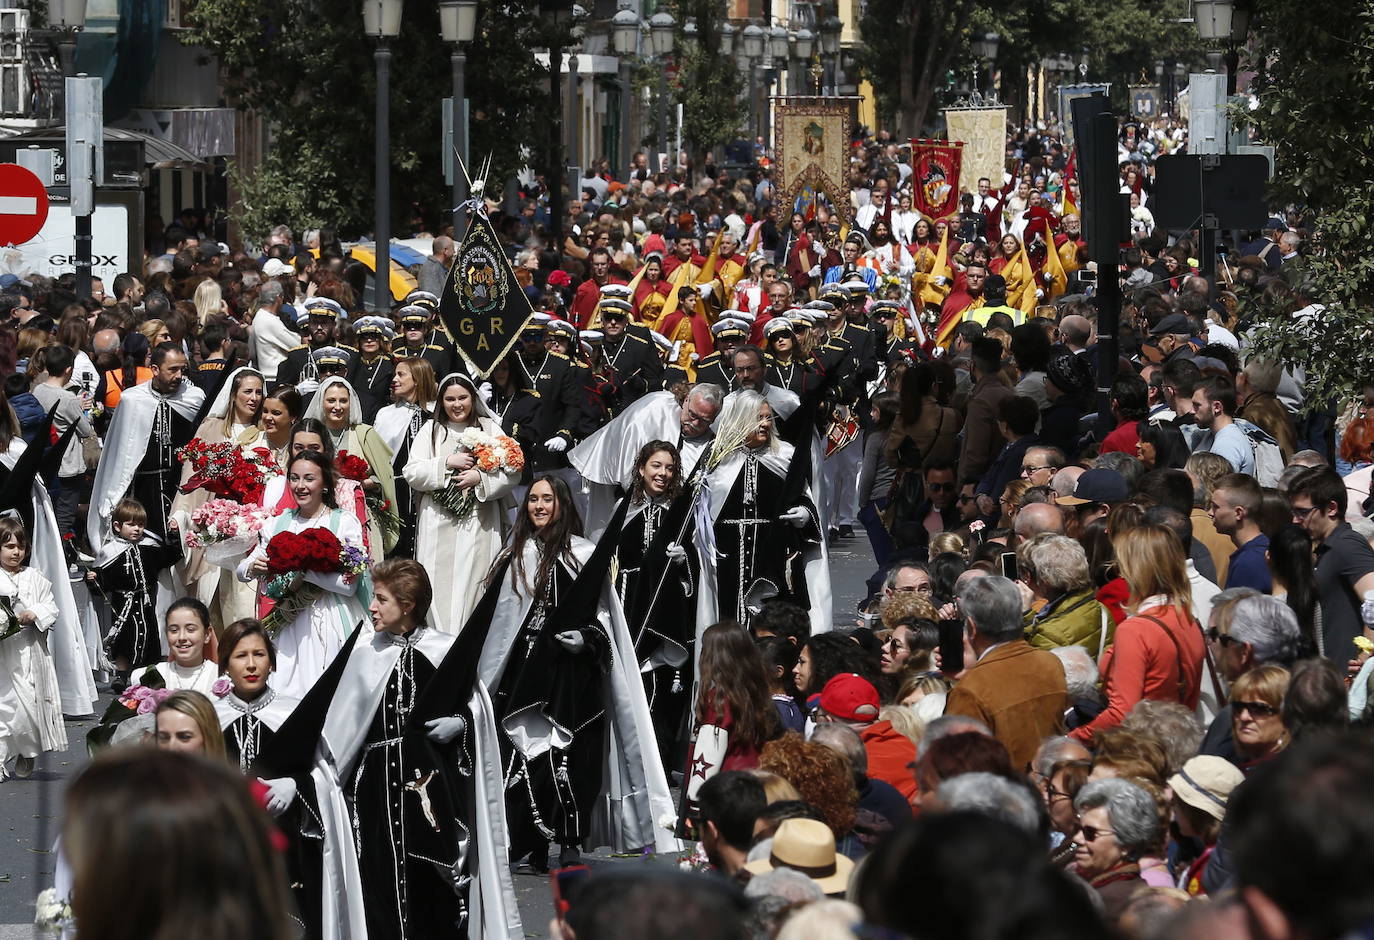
(850, 697)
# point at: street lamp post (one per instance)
(1222, 23)
(625, 38)
(802, 43)
(830, 29)
(752, 38)
(458, 24)
(661, 26)
(69, 18)
(985, 49)
(382, 21)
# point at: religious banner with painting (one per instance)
(984, 134)
(1144, 102)
(812, 137)
(483, 307)
(935, 167)
(1067, 93)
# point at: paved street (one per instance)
(33, 807)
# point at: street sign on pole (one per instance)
(23, 204)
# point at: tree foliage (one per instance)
(308, 70)
(910, 45)
(1315, 82)
(707, 82)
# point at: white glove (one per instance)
(939, 280)
(572, 640)
(815, 271)
(1039, 294)
(444, 730)
(280, 794)
(676, 553)
(1048, 277)
(705, 290)
(1367, 610)
(796, 516)
(555, 445)
(486, 391)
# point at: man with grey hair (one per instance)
(946, 725)
(1080, 678)
(1261, 630)
(878, 796)
(1038, 519)
(270, 339)
(991, 795)
(605, 458)
(1052, 751)
(434, 271)
(1065, 480)
(1018, 691)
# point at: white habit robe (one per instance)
(30, 711)
(457, 553)
(73, 656)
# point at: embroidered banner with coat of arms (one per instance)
(935, 168)
(483, 306)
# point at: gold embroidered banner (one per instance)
(812, 137)
(984, 133)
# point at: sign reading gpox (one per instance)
(483, 306)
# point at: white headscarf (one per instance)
(479, 404)
(223, 403)
(316, 409)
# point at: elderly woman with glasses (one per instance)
(1117, 823)
(1257, 715)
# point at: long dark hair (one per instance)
(1171, 450)
(554, 540)
(917, 382)
(312, 426)
(648, 450)
(326, 468)
(734, 679)
(834, 653)
(1290, 559)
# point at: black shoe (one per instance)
(846, 531)
(832, 535)
(539, 861)
(569, 855)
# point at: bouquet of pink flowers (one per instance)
(226, 530)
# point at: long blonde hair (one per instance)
(198, 708)
(207, 300)
(1150, 558)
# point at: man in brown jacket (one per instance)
(1257, 388)
(982, 438)
(1017, 691)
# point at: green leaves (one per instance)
(1314, 81)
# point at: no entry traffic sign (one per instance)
(23, 204)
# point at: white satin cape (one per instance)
(634, 790)
(492, 911)
(71, 657)
(606, 458)
(132, 426)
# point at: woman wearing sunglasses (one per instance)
(1257, 715)
(1117, 823)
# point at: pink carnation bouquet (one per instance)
(225, 530)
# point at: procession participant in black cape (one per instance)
(756, 522)
(153, 421)
(604, 460)
(371, 370)
(656, 580)
(250, 712)
(561, 664)
(410, 800)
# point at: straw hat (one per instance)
(807, 846)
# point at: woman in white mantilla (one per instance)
(336, 406)
(458, 545)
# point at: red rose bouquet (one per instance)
(353, 467)
(290, 555)
(224, 470)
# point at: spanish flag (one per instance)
(1054, 266)
(930, 293)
